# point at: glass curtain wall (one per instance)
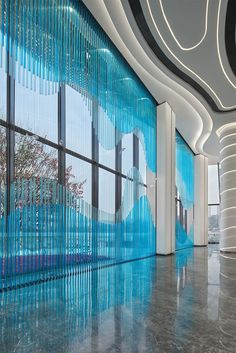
(184, 194)
(78, 143)
(213, 204)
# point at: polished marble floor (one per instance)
(182, 303)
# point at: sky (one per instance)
(213, 184)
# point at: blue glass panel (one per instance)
(184, 194)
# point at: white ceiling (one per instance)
(186, 31)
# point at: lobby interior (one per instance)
(117, 176)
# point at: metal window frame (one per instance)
(60, 146)
(10, 134)
(61, 134)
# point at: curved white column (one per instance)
(227, 136)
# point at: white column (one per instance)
(226, 300)
(165, 180)
(201, 201)
(227, 135)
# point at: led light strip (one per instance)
(232, 227)
(226, 127)
(218, 46)
(185, 66)
(227, 257)
(231, 189)
(228, 146)
(230, 277)
(228, 209)
(226, 136)
(230, 247)
(229, 172)
(173, 35)
(228, 157)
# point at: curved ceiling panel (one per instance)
(191, 32)
(230, 34)
(202, 65)
(198, 112)
(157, 50)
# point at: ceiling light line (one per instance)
(227, 136)
(226, 257)
(229, 247)
(205, 32)
(172, 32)
(232, 227)
(226, 127)
(228, 209)
(229, 172)
(228, 237)
(218, 46)
(229, 37)
(227, 190)
(228, 146)
(228, 157)
(181, 63)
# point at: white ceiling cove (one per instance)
(190, 35)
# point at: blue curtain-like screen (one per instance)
(184, 194)
(78, 146)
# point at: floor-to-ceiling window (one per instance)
(184, 194)
(78, 137)
(213, 203)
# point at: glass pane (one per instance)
(107, 157)
(34, 159)
(137, 230)
(78, 123)
(213, 224)
(106, 135)
(184, 194)
(78, 178)
(142, 163)
(36, 112)
(127, 153)
(34, 199)
(3, 96)
(106, 193)
(213, 185)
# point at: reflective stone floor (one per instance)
(182, 303)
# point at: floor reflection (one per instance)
(182, 303)
(227, 302)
